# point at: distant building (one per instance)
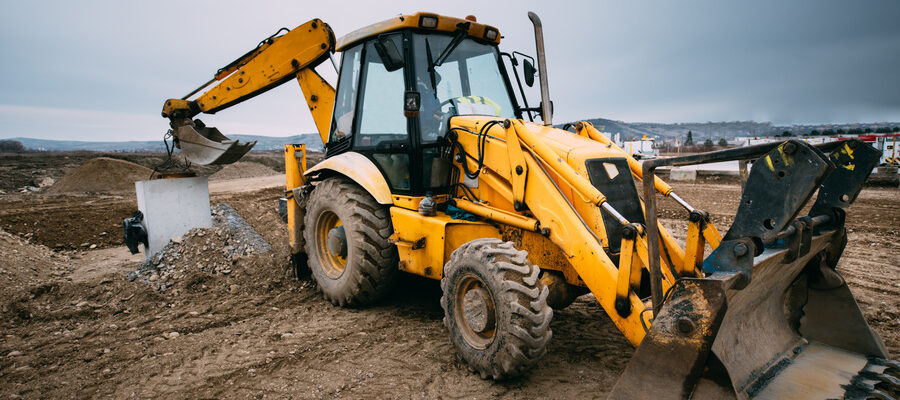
(640, 148)
(886, 143)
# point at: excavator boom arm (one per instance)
(276, 60)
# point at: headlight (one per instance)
(490, 34)
(428, 22)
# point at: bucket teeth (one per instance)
(882, 377)
(874, 382)
(889, 364)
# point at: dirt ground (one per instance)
(73, 326)
(243, 169)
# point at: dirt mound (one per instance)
(25, 264)
(213, 250)
(242, 169)
(102, 175)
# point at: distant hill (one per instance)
(719, 130)
(701, 131)
(312, 141)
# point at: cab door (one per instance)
(370, 119)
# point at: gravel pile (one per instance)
(212, 250)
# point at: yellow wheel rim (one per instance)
(474, 311)
(333, 265)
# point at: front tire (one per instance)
(495, 307)
(346, 233)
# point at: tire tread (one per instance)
(524, 338)
(376, 266)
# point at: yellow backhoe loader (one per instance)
(434, 166)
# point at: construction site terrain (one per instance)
(215, 322)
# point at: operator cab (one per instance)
(400, 83)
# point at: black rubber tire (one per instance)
(522, 328)
(371, 266)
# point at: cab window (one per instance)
(381, 112)
(382, 131)
(468, 82)
(345, 100)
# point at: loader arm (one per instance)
(276, 60)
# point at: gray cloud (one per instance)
(101, 70)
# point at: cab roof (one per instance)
(419, 20)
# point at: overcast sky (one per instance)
(101, 70)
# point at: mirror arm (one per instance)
(527, 68)
(515, 62)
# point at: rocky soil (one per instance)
(73, 325)
(213, 250)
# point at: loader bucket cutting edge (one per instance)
(207, 146)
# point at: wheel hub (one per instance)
(337, 242)
(478, 310)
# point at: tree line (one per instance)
(11, 146)
(839, 132)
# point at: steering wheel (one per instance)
(438, 111)
(443, 117)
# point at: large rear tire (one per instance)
(495, 307)
(346, 233)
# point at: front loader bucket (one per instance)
(783, 338)
(772, 319)
(206, 145)
(777, 338)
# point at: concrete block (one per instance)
(172, 207)
(679, 174)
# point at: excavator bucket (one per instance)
(772, 319)
(206, 145)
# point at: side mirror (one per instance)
(388, 53)
(528, 70)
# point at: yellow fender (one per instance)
(360, 170)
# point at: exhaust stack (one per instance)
(546, 109)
